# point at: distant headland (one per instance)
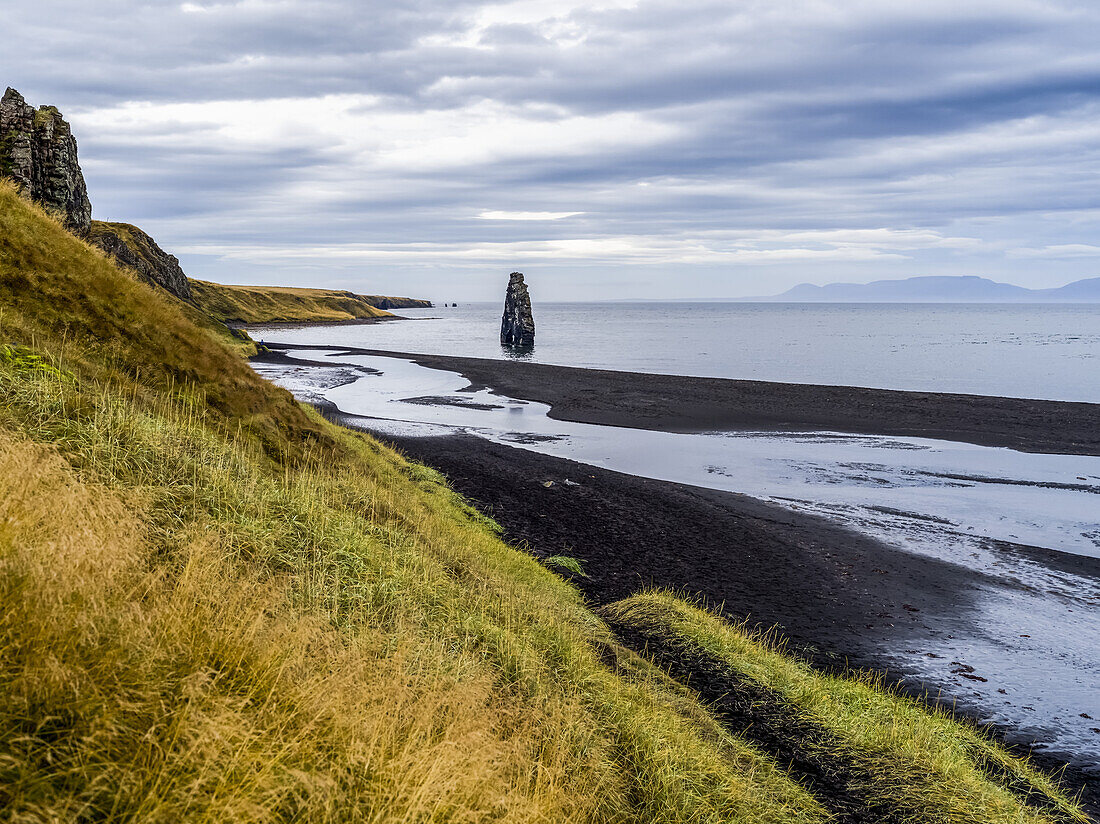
(936, 289)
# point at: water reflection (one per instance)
(518, 352)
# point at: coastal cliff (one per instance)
(380, 302)
(244, 305)
(38, 152)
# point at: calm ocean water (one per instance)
(1033, 351)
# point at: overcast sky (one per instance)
(606, 148)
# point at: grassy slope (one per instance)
(284, 304)
(897, 755)
(215, 605)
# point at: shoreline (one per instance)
(692, 404)
(298, 324)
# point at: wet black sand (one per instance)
(686, 404)
(828, 589)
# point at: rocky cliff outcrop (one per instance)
(135, 250)
(381, 302)
(517, 327)
(38, 152)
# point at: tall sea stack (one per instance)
(517, 327)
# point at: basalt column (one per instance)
(517, 327)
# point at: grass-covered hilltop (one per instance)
(287, 304)
(217, 606)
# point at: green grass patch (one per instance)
(23, 358)
(566, 562)
(889, 753)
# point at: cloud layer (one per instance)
(691, 148)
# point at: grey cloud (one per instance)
(775, 112)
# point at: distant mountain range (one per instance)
(962, 289)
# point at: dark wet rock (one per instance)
(135, 250)
(517, 327)
(38, 152)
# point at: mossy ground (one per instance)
(214, 605)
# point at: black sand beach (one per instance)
(688, 404)
(837, 596)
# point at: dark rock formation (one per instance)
(38, 152)
(517, 327)
(135, 250)
(380, 302)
